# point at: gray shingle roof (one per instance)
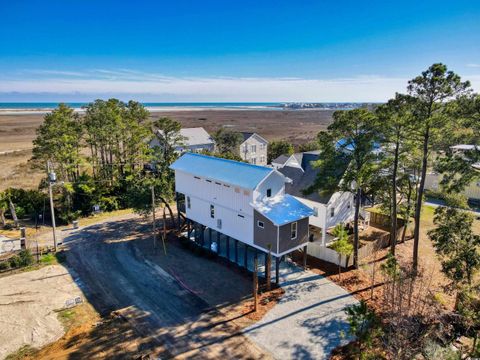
(301, 180)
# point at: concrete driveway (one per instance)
(308, 320)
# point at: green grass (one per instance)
(67, 317)
(24, 351)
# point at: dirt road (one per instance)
(171, 320)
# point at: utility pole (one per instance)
(51, 179)
(153, 225)
(255, 283)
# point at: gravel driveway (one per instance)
(177, 321)
(308, 320)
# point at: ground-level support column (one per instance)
(209, 238)
(202, 235)
(236, 252)
(305, 257)
(245, 258)
(277, 270)
(228, 249)
(178, 210)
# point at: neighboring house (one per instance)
(472, 191)
(242, 201)
(194, 140)
(329, 208)
(253, 149)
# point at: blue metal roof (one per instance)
(282, 210)
(232, 172)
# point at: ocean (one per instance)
(38, 106)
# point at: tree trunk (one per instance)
(2, 217)
(418, 207)
(169, 210)
(407, 212)
(13, 212)
(393, 230)
(355, 228)
(339, 267)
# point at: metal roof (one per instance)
(232, 172)
(282, 209)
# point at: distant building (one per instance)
(329, 208)
(471, 191)
(244, 203)
(253, 149)
(194, 140)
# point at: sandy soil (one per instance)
(18, 131)
(28, 304)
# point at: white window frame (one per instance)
(253, 149)
(315, 211)
(293, 230)
(262, 226)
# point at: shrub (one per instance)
(4, 265)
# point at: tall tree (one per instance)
(279, 147)
(227, 141)
(348, 160)
(457, 245)
(431, 91)
(59, 141)
(393, 124)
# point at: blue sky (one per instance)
(230, 50)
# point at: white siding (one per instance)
(226, 195)
(319, 219)
(260, 155)
(472, 191)
(343, 204)
(232, 225)
(275, 181)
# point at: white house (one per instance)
(253, 148)
(193, 139)
(329, 208)
(245, 202)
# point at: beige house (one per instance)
(253, 149)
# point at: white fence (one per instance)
(316, 249)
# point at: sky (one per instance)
(214, 51)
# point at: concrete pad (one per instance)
(308, 321)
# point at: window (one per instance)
(253, 160)
(253, 148)
(189, 204)
(246, 192)
(293, 232)
(196, 177)
(260, 224)
(217, 183)
(244, 148)
(227, 186)
(332, 212)
(209, 181)
(262, 158)
(241, 216)
(269, 192)
(212, 211)
(219, 223)
(262, 146)
(315, 211)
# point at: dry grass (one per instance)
(15, 171)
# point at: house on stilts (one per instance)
(239, 210)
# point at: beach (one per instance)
(297, 126)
